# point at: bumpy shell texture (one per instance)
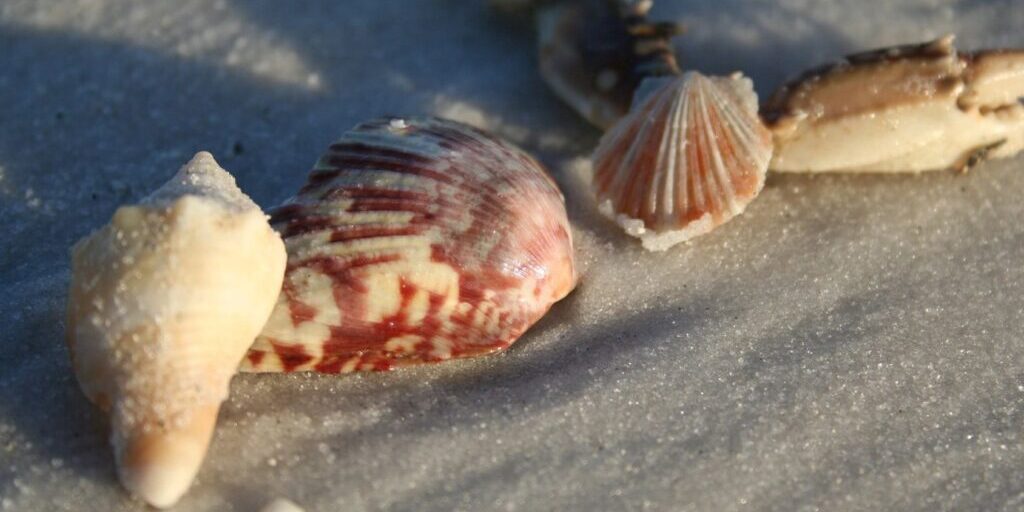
(690, 156)
(164, 302)
(415, 242)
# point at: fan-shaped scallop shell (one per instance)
(690, 156)
(414, 242)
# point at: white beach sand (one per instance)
(849, 343)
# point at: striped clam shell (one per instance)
(690, 156)
(415, 242)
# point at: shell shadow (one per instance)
(41, 400)
(569, 364)
(757, 48)
(539, 377)
(542, 375)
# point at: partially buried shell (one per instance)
(414, 242)
(690, 156)
(164, 302)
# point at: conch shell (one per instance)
(690, 156)
(164, 302)
(415, 241)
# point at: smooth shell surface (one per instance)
(688, 158)
(415, 242)
(909, 108)
(164, 302)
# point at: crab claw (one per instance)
(994, 78)
(910, 108)
(595, 53)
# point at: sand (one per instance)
(848, 343)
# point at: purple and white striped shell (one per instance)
(415, 242)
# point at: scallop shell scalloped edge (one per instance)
(644, 176)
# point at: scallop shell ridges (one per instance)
(415, 242)
(688, 158)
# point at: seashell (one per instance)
(911, 108)
(281, 505)
(688, 158)
(164, 301)
(414, 242)
(595, 53)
